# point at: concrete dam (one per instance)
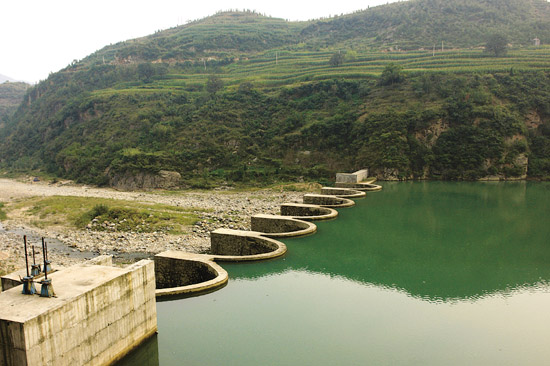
(101, 312)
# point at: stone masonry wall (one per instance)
(274, 224)
(241, 243)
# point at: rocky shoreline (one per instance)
(224, 209)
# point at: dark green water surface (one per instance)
(418, 274)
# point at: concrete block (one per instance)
(356, 177)
(100, 313)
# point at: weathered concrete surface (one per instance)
(276, 226)
(327, 201)
(101, 260)
(302, 211)
(342, 192)
(100, 313)
(240, 245)
(13, 279)
(356, 177)
(183, 273)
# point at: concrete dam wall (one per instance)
(258, 244)
(100, 314)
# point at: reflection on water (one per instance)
(146, 355)
(420, 273)
(433, 240)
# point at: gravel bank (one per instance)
(226, 209)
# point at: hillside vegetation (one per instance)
(11, 95)
(243, 97)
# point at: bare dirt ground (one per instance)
(73, 245)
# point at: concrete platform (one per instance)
(100, 313)
(13, 279)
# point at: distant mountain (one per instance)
(4, 78)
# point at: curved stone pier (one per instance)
(303, 211)
(327, 200)
(362, 186)
(342, 192)
(278, 226)
(239, 245)
(186, 273)
(182, 273)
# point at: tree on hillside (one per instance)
(351, 55)
(337, 59)
(392, 74)
(145, 71)
(213, 84)
(497, 44)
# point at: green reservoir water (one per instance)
(424, 273)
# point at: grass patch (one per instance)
(107, 214)
(3, 215)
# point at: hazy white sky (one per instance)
(39, 37)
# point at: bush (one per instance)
(96, 211)
(497, 44)
(392, 74)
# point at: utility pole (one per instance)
(442, 48)
(433, 52)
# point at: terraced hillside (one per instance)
(240, 97)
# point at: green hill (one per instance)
(11, 95)
(424, 23)
(244, 97)
(220, 37)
